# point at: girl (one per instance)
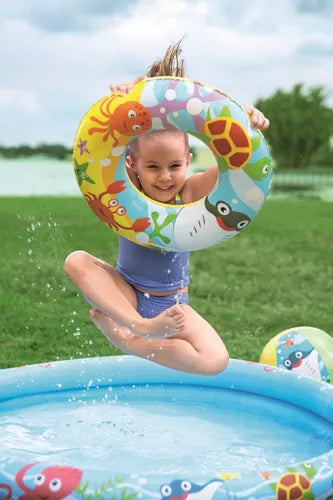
(141, 306)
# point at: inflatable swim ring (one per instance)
(303, 350)
(241, 152)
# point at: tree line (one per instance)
(57, 151)
(300, 134)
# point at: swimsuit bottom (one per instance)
(149, 306)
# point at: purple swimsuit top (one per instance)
(152, 269)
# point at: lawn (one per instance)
(276, 274)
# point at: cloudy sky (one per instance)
(59, 56)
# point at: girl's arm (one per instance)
(199, 185)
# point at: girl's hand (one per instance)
(125, 87)
(257, 118)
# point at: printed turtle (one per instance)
(228, 138)
(293, 486)
(231, 144)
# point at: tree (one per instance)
(301, 125)
(52, 150)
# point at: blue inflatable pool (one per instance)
(125, 428)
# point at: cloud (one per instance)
(316, 47)
(25, 100)
(321, 7)
(61, 56)
(66, 15)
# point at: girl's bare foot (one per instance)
(167, 323)
(120, 336)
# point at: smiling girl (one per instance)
(141, 306)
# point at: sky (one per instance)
(58, 57)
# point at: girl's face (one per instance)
(161, 164)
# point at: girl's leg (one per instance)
(106, 290)
(197, 349)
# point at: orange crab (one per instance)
(129, 118)
(106, 212)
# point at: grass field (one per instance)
(276, 274)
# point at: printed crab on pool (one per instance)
(123, 428)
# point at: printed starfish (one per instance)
(82, 145)
(158, 227)
(81, 173)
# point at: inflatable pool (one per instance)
(125, 428)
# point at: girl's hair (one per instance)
(169, 65)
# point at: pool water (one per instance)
(157, 430)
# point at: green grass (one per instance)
(276, 274)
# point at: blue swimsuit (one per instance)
(153, 270)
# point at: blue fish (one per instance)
(185, 490)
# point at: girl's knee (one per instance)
(214, 364)
(76, 261)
